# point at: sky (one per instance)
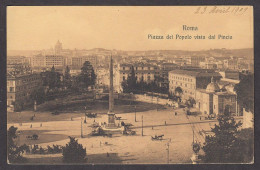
(125, 28)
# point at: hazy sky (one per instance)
(124, 28)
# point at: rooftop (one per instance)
(199, 73)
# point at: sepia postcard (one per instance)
(130, 85)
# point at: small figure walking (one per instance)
(152, 127)
(41, 125)
(165, 122)
(107, 154)
(200, 117)
(31, 126)
(71, 119)
(175, 113)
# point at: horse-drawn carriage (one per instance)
(118, 118)
(91, 115)
(157, 137)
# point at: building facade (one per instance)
(213, 100)
(190, 80)
(143, 72)
(19, 89)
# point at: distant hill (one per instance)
(26, 53)
(246, 52)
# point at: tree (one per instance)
(190, 102)
(74, 152)
(245, 92)
(38, 95)
(178, 90)
(52, 79)
(130, 84)
(87, 76)
(67, 78)
(14, 151)
(246, 141)
(223, 146)
(131, 80)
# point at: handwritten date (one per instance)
(220, 10)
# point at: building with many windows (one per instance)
(20, 87)
(190, 80)
(143, 72)
(48, 61)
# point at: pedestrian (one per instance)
(31, 126)
(71, 119)
(200, 117)
(41, 125)
(152, 127)
(107, 154)
(165, 122)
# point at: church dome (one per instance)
(212, 87)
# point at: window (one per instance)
(11, 89)
(123, 68)
(123, 78)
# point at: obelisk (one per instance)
(111, 114)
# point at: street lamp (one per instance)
(142, 126)
(168, 151)
(157, 103)
(81, 130)
(135, 113)
(85, 121)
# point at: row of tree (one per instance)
(55, 81)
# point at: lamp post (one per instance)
(142, 126)
(81, 130)
(168, 150)
(157, 103)
(135, 113)
(85, 121)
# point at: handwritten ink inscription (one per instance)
(221, 10)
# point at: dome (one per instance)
(212, 87)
